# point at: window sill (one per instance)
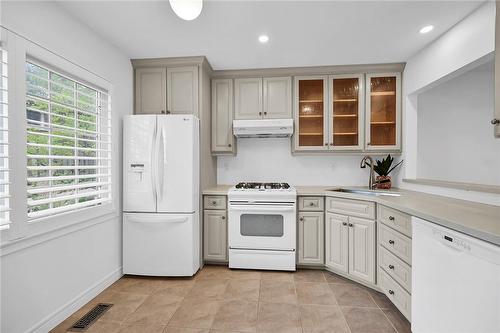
(457, 185)
(27, 241)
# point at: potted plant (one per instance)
(383, 169)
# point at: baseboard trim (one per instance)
(58, 316)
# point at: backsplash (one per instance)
(272, 160)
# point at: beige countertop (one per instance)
(474, 219)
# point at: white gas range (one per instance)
(262, 226)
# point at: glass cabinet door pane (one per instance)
(311, 112)
(345, 112)
(383, 111)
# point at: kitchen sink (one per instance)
(366, 192)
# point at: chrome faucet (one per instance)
(371, 181)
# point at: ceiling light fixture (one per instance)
(187, 9)
(426, 29)
(263, 38)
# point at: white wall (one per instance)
(272, 160)
(43, 283)
(456, 141)
(468, 41)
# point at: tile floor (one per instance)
(220, 300)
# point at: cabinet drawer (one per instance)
(214, 202)
(358, 208)
(398, 296)
(394, 219)
(311, 204)
(395, 242)
(395, 267)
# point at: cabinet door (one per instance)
(182, 90)
(150, 90)
(311, 238)
(362, 249)
(311, 113)
(215, 235)
(337, 239)
(383, 111)
(278, 97)
(346, 112)
(496, 114)
(248, 98)
(222, 116)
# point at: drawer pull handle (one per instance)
(350, 224)
(214, 202)
(391, 266)
(391, 242)
(391, 218)
(301, 219)
(344, 223)
(391, 292)
(311, 204)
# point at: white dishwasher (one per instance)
(456, 282)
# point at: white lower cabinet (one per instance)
(362, 249)
(215, 235)
(337, 242)
(311, 238)
(350, 246)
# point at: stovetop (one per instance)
(262, 192)
(262, 186)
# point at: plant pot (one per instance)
(384, 182)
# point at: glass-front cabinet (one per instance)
(383, 111)
(311, 113)
(346, 112)
(354, 112)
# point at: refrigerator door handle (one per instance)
(160, 219)
(159, 147)
(153, 162)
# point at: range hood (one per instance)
(263, 128)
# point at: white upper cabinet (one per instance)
(248, 98)
(346, 112)
(263, 98)
(150, 90)
(222, 116)
(182, 90)
(277, 98)
(383, 111)
(311, 113)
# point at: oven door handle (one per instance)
(262, 208)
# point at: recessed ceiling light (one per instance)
(426, 29)
(263, 38)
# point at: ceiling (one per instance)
(302, 33)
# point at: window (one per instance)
(4, 143)
(68, 143)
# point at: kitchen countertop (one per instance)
(474, 219)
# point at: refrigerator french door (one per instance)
(161, 195)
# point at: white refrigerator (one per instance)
(161, 221)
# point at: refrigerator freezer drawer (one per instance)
(160, 244)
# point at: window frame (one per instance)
(106, 136)
(21, 51)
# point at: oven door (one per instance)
(262, 226)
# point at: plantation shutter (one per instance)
(4, 143)
(68, 143)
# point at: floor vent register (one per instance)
(90, 317)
